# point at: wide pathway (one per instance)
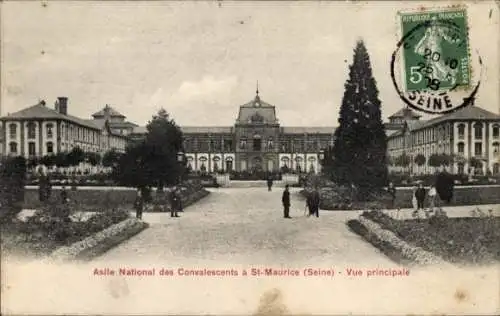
(241, 230)
(247, 226)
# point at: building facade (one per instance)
(40, 130)
(255, 143)
(469, 133)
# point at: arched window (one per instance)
(461, 131)
(496, 131)
(478, 131)
(13, 130)
(31, 130)
(496, 148)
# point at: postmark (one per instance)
(435, 61)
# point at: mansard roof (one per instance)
(257, 111)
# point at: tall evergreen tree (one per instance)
(360, 140)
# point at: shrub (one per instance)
(12, 180)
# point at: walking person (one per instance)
(392, 191)
(269, 183)
(285, 199)
(420, 196)
(139, 204)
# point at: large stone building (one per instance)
(469, 133)
(40, 130)
(256, 142)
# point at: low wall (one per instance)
(466, 195)
(98, 197)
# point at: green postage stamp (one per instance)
(435, 54)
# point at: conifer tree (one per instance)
(360, 140)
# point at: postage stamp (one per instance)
(436, 50)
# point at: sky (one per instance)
(201, 60)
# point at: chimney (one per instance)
(62, 105)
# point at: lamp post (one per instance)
(180, 160)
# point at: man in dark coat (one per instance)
(444, 186)
(392, 191)
(139, 204)
(285, 199)
(269, 183)
(175, 203)
(64, 195)
(420, 195)
(313, 201)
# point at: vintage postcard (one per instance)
(250, 158)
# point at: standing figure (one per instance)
(432, 197)
(392, 191)
(176, 203)
(420, 195)
(285, 199)
(139, 204)
(414, 199)
(64, 195)
(269, 183)
(315, 201)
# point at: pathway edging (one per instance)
(392, 245)
(100, 242)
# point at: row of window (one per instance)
(13, 148)
(255, 144)
(79, 133)
(478, 131)
(442, 133)
(478, 148)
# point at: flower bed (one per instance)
(51, 228)
(457, 240)
(99, 242)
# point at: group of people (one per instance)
(443, 188)
(169, 201)
(312, 202)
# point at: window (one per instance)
(270, 143)
(228, 144)
(478, 131)
(243, 143)
(50, 130)
(496, 131)
(13, 130)
(50, 147)
(496, 148)
(478, 149)
(13, 147)
(31, 149)
(461, 131)
(31, 130)
(257, 144)
(461, 148)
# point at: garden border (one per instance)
(100, 242)
(393, 246)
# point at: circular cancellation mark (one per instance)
(440, 91)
